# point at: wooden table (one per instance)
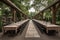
(13, 26)
(48, 25)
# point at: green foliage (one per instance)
(0, 13)
(0, 23)
(51, 1)
(47, 15)
(58, 17)
(21, 6)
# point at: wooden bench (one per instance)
(48, 25)
(13, 26)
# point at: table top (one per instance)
(46, 24)
(17, 24)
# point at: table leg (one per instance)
(3, 30)
(16, 31)
(46, 30)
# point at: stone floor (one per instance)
(22, 35)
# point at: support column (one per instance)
(24, 17)
(41, 14)
(54, 14)
(36, 17)
(14, 15)
(21, 15)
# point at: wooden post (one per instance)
(14, 14)
(36, 17)
(53, 14)
(21, 15)
(41, 14)
(25, 17)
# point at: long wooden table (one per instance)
(13, 26)
(48, 25)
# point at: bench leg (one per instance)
(16, 31)
(3, 30)
(46, 31)
(57, 31)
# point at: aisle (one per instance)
(31, 31)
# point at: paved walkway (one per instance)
(22, 35)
